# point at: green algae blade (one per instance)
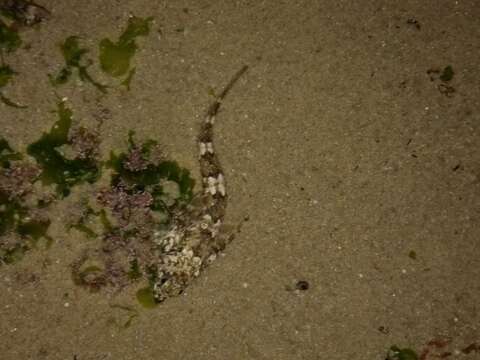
(57, 169)
(9, 38)
(146, 298)
(73, 55)
(115, 57)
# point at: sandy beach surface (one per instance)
(347, 144)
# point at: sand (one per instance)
(343, 152)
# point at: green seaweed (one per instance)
(7, 154)
(128, 79)
(146, 297)
(57, 169)
(89, 233)
(106, 223)
(6, 73)
(10, 211)
(15, 217)
(81, 226)
(134, 273)
(13, 255)
(151, 177)
(9, 38)
(395, 353)
(11, 103)
(151, 272)
(115, 57)
(73, 55)
(34, 229)
(447, 74)
(6, 12)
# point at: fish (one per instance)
(195, 237)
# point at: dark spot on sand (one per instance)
(447, 74)
(471, 348)
(302, 285)
(396, 353)
(383, 329)
(414, 22)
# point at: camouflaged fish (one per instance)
(195, 237)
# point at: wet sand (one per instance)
(343, 152)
